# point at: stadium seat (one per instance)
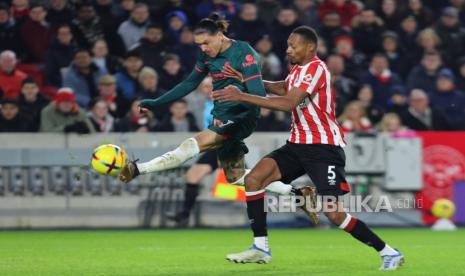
(76, 180)
(133, 187)
(113, 186)
(57, 180)
(36, 181)
(18, 181)
(95, 184)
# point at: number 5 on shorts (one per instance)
(331, 175)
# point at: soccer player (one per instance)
(232, 122)
(315, 148)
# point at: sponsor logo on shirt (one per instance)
(249, 61)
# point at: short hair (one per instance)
(169, 57)
(4, 7)
(379, 55)
(37, 5)
(307, 33)
(183, 101)
(211, 25)
(81, 50)
(28, 80)
(147, 72)
(154, 26)
(140, 5)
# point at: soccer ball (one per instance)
(108, 159)
(443, 208)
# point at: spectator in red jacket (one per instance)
(346, 10)
(11, 79)
(36, 34)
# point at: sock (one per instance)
(190, 195)
(359, 230)
(275, 187)
(257, 214)
(387, 250)
(172, 159)
(261, 242)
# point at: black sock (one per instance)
(190, 195)
(296, 191)
(257, 214)
(359, 230)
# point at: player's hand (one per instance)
(228, 94)
(143, 110)
(217, 123)
(230, 72)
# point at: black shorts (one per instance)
(209, 158)
(324, 164)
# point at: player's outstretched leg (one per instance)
(392, 258)
(188, 149)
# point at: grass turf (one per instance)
(201, 252)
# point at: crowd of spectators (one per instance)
(83, 65)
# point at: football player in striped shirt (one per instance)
(315, 147)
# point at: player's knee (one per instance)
(335, 217)
(252, 183)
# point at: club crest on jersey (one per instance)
(307, 79)
(249, 61)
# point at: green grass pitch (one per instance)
(201, 252)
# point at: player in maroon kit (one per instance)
(315, 148)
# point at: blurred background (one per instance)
(73, 72)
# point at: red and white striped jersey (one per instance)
(314, 119)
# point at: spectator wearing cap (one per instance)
(171, 73)
(117, 104)
(179, 119)
(9, 34)
(381, 79)
(36, 34)
(367, 30)
(100, 116)
(187, 50)
(149, 80)
(347, 10)
(82, 76)
(355, 61)
(423, 14)
(307, 12)
(247, 25)
(10, 78)
(31, 102)
(65, 115)
(127, 79)
(394, 53)
(449, 100)
(11, 120)
(152, 46)
(272, 68)
(421, 116)
(451, 32)
(59, 56)
(331, 28)
(423, 76)
(175, 21)
(134, 28)
(102, 58)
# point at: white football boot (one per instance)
(392, 262)
(251, 255)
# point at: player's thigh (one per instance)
(265, 172)
(287, 162)
(325, 166)
(208, 140)
(197, 172)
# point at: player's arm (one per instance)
(282, 103)
(275, 87)
(271, 87)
